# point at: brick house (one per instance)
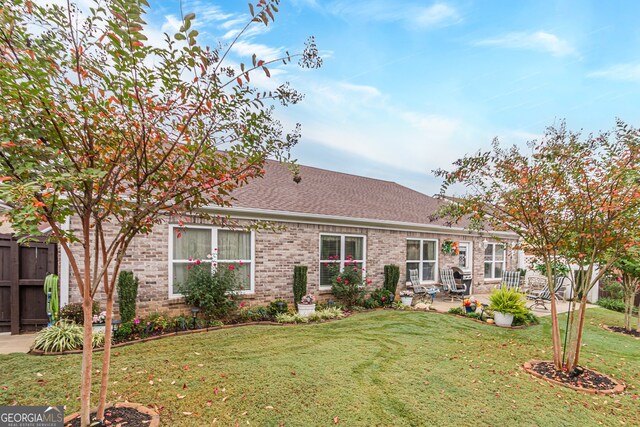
(325, 214)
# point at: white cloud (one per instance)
(624, 72)
(435, 15)
(414, 15)
(539, 41)
(262, 51)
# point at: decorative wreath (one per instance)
(450, 247)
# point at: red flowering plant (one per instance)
(347, 284)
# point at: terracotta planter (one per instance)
(306, 309)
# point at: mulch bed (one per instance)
(124, 416)
(621, 330)
(589, 381)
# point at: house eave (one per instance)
(308, 218)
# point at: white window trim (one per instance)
(214, 241)
(342, 254)
(436, 272)
(494, 260)
(469, 254)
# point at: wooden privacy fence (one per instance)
(22, 272)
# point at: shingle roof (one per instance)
(331, 193)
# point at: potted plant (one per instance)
(98, 321)
(506, 303)
(406, 297)
(470, 304)
(307, 305)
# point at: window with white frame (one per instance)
(210, 246)
(494, 260)
(422, 255)
(342, 249)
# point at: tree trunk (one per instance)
(87, 354)
(575, 344)
(555, 334)
(638, 329)
(106, 358)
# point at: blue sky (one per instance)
(410, 86)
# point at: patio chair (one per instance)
(418, 288)
(540, 297)
(511, 280)
(449, 285)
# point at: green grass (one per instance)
(373, 369)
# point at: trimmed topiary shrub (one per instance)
(127, 295)
(299, 282)
(391, 277)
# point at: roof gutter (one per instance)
(301, 217)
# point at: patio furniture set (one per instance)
(537, 290)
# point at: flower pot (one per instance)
(503, 319)
(406, 300)
(97, 327)
(470, 309)
(306, 309)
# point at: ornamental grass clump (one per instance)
(61, 336)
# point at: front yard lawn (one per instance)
(373, 369)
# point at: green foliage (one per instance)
(526, 319)
(255, 314)
(159, 322)
(127, 295)
(73, 312)
(299, 282)
(614, 304)
(473, 315)
(391, 277)
(347, 285)
(383, 297)
(317, 316)
(507, 300)
(457, 310)
(124, 331)
(97, 339)
(278, 306)
(62, 336)
(557, 268)
(291, 318)
(614, 289)
(214, 293)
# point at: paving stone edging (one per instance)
(607, 328)
(619, 387)
(155, 417)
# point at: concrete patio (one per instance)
(15, 343)
(444, 304)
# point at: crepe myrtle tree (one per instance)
(627, 267)
(569, 198)
(99, 123)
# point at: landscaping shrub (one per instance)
(61, 336)
(613, 289)
(125, 331)
(215, 293)
(347, 285)
(473, 315)
(457, 310)
(97, 339)
(158, 322)
(367, 303)
(614, 304)
(326, 314)
(127, 295)
(383, 297)
(73, 312)
(255, 314)
(299, 282)
(291, 318)
(279, 306)
(525, 319)
(391, 277)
